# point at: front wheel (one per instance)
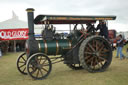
(39, 66)
(95, 54)
(21, 63)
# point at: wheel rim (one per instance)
(97, 54)
(21, 63)
(39, 66)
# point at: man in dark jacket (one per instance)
(103, 29)
(120, 43)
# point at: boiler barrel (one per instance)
(54, 47)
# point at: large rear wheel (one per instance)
(95, 54)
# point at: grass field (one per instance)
(116, 74)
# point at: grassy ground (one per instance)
(116, 74)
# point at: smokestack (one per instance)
(30, 23)
(31, 42)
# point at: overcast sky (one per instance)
(76, 7)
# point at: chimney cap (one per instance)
(30, 9)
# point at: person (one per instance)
(120, 44)
(103, 29)
(90, 28)
(48, 32)
(0, 53)
(127, 53)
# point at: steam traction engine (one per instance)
(79, 50)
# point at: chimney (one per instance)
(32, 43)
(30, 15)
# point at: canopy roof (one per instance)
(70, 19)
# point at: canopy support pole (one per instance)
(14, 46)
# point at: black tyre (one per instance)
(21, 63)
(39, 66)
(75, 66)
(95, 54)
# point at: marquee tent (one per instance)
(13, 30)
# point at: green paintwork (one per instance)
(41, 47)
(51, 47)
(63, 44)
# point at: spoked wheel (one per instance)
(75, 66)
(39, 66)
(95, 54)
(21, 63)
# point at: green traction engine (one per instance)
(80, 48)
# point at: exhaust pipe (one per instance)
(30, 23)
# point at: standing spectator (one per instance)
(0, 53)
(103, 29)
(120, 44)
(127, 53)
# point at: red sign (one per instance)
(14, 34)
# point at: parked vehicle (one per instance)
(81, 49)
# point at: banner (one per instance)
(14, 34)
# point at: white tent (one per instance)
(13, 23)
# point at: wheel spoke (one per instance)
(91, 47)
(93, 44)
(96, 45)
(45, 69)
(37, 73)
(92, 62)
(22, 66)
(87, 57)
(43, 62)
(101, 47)
(88, 61)
(36, 59)
(24, 69)
(21, 62)
(23, 58)
(40, 59)
(88, 49)
(104, 51)
(98, 63)
(102, 58)
(41, 72)
(88, 53)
